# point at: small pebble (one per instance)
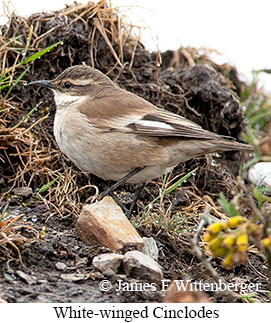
(73, 277)
(107, 262)
(23, 191)
(29, 279)
(150, 248)
(61, 266)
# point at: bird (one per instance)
(117, 135)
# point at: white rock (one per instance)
(107, 262)
(260, 174)
(150, 248)
(140, 266)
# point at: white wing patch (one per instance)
(168, 125)
(153, 124)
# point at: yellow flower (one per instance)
(228, 241)
(208, 237)
(228, 261)
(267, 242)
(215, 243)
(242, 242)
(215, 228)
(42, 233)
(235, 221)
(219, 252)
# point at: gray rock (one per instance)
(150, 248)
(9, 277)
(30, 280)
(107, 263)
(72, 277)
(140, 266)
(61, 266)
(23, 191)
(82, 262)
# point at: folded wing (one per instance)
(130, 113)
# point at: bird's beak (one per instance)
(44, 83)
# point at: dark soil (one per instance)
(201, 93)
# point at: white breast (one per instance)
(75, 137)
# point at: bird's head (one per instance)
(76, 83)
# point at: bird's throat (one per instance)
(64, 100)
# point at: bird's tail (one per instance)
(228, 145)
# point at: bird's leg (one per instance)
(121, 205)
(128, 212)
(135, 199)
(121, 181)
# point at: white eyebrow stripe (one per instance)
(154, 124)
(82, 81)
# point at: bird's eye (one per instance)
(67, 85)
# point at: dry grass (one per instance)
(14, 235)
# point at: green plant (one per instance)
(7, 75)
(45, 187)
(257, 103)
(165, 190)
